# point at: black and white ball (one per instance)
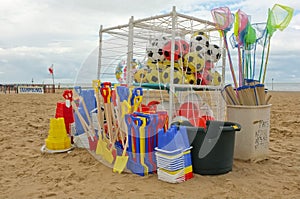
(199, 42)
(193, 62)
(213, 53)
(153, 76)
(140, 75)
(178, 76)
(155, 49)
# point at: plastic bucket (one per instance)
(219, 159)
(253, 141)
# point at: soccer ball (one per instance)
(140, 75)
(209, 65)
(199, 42)
(178, 65)
(153, 76)
(154, 49)
(213, 53)
(181, 49)
(204, 78)
(194, 62)
(178, 76)
(217, 79)
(190, 78)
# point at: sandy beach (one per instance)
(25, 172)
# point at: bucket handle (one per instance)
(214, 130)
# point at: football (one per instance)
(199, 42)
(154, 49)
(194, 61)
(213, 53)
(153, 76)
(181, 49)
(204, 78)
(178, 76)
(190, 78)
(140, 75)
(217, 79)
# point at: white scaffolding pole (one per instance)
(100, 52)
(172, 88)
(130, 52)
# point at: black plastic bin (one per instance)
(216, 156)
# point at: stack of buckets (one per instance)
(59, 135)
(58, 138)
(173, 155)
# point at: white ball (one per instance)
(155, 49)
(213, 53)
(199, 42)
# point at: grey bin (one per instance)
(216, 155)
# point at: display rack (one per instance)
(123, 43)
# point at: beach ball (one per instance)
(213, 53)
(155, 49)
(178, 76)
(194, 61)
(121, 69)
(181, 49)
(199, 42)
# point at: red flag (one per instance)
(51, 69)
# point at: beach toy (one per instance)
(142, 145)
(136, 98)
(223, 18)
(134, 164)
(101, 145)
(151, 121)
(58, 138)
(121, 161)
(189, 110)
(108, 155)
(174, 166)
(279, 17)
(92, 139)
(240, 24)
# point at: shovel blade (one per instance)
(108, 156)
(93, 143)
(100, 147)
(120, 164)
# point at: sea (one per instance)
(270, 86)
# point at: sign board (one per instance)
(31, 89)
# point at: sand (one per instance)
(25, 172)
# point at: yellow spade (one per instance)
(107, 153)
(121, 161)
(101, 145)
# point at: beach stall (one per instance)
(158, 103)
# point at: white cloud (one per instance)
(35, 34)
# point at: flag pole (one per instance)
(51, 70)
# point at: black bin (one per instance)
(217, 142)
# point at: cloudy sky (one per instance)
(36, 34)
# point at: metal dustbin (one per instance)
(213, 148)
